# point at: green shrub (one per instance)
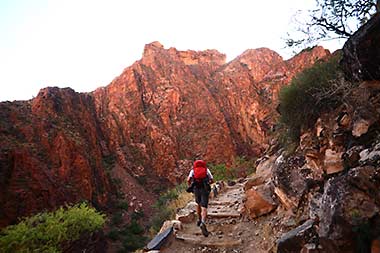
(162, 210)
(243, 166)
(219, 171)
(137, 215)
(117, 218)
(312, 91)
(44, 232)
(161, 214)
(113, 235)
(122, 205)
(132, 237)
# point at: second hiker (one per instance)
(200, 179)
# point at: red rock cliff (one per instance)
(142, 129)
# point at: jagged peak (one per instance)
(309, 55)
(189, 57)
(151, 48)
(258, 52)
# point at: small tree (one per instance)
(331, 19)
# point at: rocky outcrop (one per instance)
(333, 176)
(361, 53)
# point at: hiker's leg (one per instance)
(204, 214)
(204, 204)
(199, 211)
(198, 200)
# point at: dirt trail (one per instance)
(229, 230)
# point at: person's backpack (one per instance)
(200, 171)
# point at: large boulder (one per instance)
(290, 180)
(259, 200)
(349, 210)
(361, 53)
(294, 240)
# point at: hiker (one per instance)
(199, 180)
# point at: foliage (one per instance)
(243, 166)
(314, 90)
(220, 172)
(240, 167)
(123, 205)
(44, 232)
(117, 218)
(331, 19)
(131, 236)
(164, 209)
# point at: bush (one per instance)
(243, 166)
(44, 232)
(117, 218)
(132, 237)
(165, 206)
(220, 172)
(122, 205)
(312, 91)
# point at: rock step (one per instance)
(219, 203)
(223, 215)
(224, 242)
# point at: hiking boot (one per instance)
(204, 229)
(199, 223)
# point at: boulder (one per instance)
(290, 179)
(187, 214)
(351, 157)
(259, 201)
(361, 52)
(342, 219)
(265, 166)
(175, 224)
(287, 201)
(160, 239)
(333, 161)
(360, 127)
(254, 181)
(294, 240)
(370, 156)
(367, 179)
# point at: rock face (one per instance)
(143, 129)
(333, 175)
(51, 154)
(362, 52)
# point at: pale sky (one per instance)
(85, 44)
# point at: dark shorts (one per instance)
(201, 196)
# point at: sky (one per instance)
(85, 44)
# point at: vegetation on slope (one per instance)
(47, 231)
(314, 90)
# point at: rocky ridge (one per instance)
(142, 129)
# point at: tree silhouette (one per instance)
(331, 19)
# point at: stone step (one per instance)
(219, 203)
(223, 215)
(209, 242)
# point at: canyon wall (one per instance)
(139, 134)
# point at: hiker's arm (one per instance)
(210, 177)
(189, 178)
